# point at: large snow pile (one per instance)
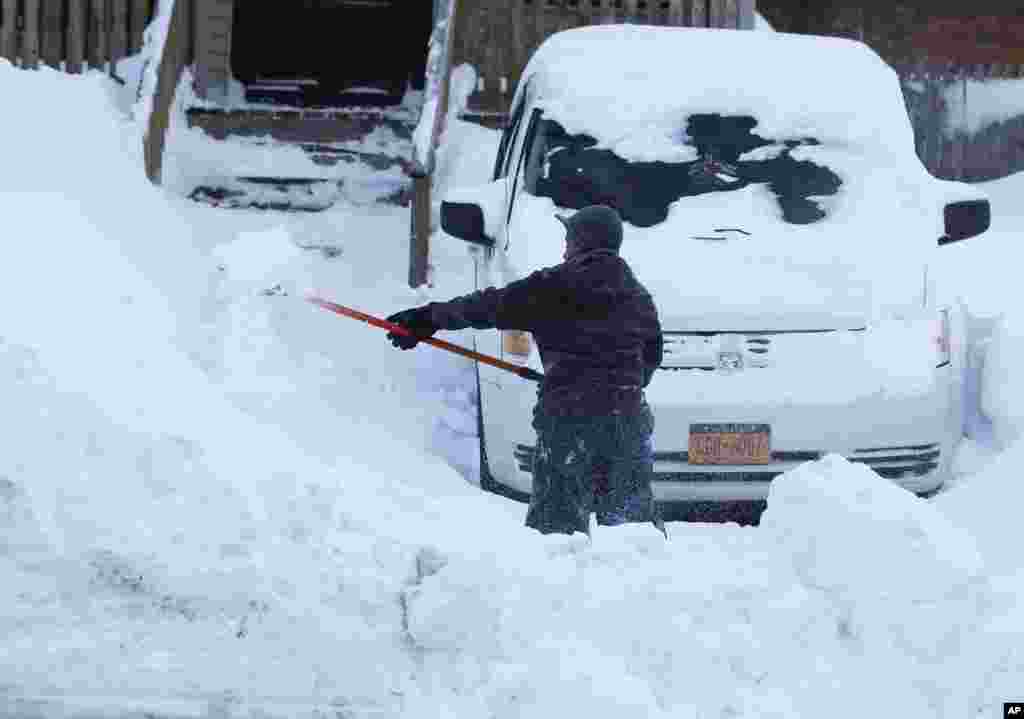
(982, 271)
(908, 584)
(986, 501)
(1003, 382)
(852, 589)
(192, 503)
(217, 499)
(1002, 395)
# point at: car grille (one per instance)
(896, 462)
(889, 462)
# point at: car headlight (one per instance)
(516, 346)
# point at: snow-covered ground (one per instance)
(218, 500)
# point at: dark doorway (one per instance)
(330, 53)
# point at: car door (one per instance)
(487, 270)
(506, 400)
(515, 345)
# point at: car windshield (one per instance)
(727, 155)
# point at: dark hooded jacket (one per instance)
(595, 325)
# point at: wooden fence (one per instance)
(497, 37)
(437, 83)
(946, 87)
(72, 34)
(938, 96)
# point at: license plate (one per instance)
(730, 444)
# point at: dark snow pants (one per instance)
(602, 464)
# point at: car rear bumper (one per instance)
(918, 469)
(906, 440)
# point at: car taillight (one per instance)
(516, 346)
(940, 338)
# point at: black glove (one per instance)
(418, 321)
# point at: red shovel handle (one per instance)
(524, 372)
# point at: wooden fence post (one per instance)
(422, 202)
(677, 13)
(698, 13)
(419, 229)
(76, 36)
(97, 35)
(52, 32)
(30, 36)
(716, 13)
(177, 54)
(118, 43)
(139, 18)
(212, 25)
(729, 14)
(748, 14)
(8, 26)
(632, 11)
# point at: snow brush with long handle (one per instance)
(524, 372)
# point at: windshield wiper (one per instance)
(722, 238)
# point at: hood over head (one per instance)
(596, 227)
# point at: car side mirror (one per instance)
(465, 220)
(966, 219)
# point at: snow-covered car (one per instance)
(776, 209)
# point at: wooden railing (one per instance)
(438, 81)
(176, 55)
(72, 34)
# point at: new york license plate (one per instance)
(730, 444)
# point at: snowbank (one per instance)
(903, 550)
(993, 280)
(909, 585)
(852, 588)
(1002, 383)
(214, 485)
(987, 505)
(982, 272)
(986, 501)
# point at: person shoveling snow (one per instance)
(600, 340)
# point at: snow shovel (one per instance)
(524, 372)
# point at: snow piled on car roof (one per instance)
(613, 82)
